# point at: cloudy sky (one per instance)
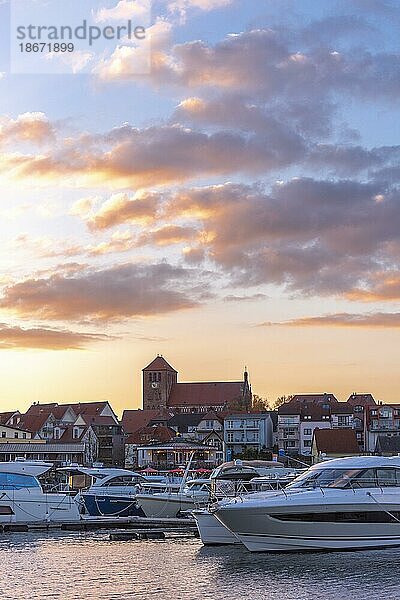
(237, 205)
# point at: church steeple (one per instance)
(158, 379)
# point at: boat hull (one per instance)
(266, 529)
(97, 505)
(15, 507)
(164, 505)
(212, 532)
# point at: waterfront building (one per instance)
(92, 425)
(14, 433)
(245, 431)
(331, 443)
(176, 454)
(153, 434)
(34, 449)
(381, 420)
(303, 413)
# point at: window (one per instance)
(76, 433)
(12, 481)
(16, 434)
(308, 431)
(388, 477)
(378, 516)
(325, 417)
(307, 443)
(349, 478)
(229, 437)
(307, 417)
(385, 413)
(229, 424)
(3, 434)
(359, 409)
(158, 376)
(24, 436)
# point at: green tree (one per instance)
(259, 404)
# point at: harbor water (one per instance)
(88, 566)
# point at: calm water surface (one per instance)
(89, 566)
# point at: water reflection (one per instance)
(89, 566)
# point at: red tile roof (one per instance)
(157, 433)
(211, 415)
(39, 409)
(313, 398)
(68, 436)
(361, 400)
(6, 416)
(88, 408)
(205, 393)
(133, 420)
(33, 423)
(159, 364)
(336, 441)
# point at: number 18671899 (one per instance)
(40, 47)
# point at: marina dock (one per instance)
(92, 523)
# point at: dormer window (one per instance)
(385, 413)
(76, 433)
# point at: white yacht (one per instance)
(112, 491)
(22, 499)
(170, 504)
(231, 479)
(341, 504)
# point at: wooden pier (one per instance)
(86, 523)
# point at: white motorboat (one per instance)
(341, 504)
(22, 499)
(112, 492)
(231, 479)
(171, 504)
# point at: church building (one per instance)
(162, 391)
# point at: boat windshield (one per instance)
(14, 481)
(342, 478)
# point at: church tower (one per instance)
(158, 379)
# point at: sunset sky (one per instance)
(237, 205)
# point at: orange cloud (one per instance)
(27, 127)
(119, 292)
(371, 320)
(383, 287)
(44, 338)
(169, 234)
(120, 208)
